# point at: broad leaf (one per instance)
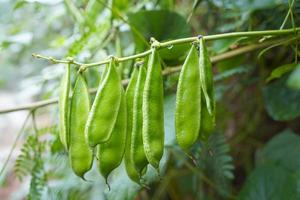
(283, 149)
(282, 103)
(270, 182)
(162, 25)
(277, 173)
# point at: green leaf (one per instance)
(19, 4)
(293, 81)
(283, 150)
(270, 182)
(166, 4)
(282, 103)
(214, 159)
(277, 173)
(121, 5)
(163, 25)
(280, 71)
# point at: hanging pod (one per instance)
(130, 169)
(207, 122)
(80, 154)
(153, 111)
(207, 85)
(104, 111)
(188, 102)
(110, 153)
(64, 107)
(137, 148)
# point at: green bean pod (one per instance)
(188, 102)
(207, 122)
(130, 169)
(137, 148)
(104, 111)
(64, 107)
(153, 111)
(208, 102)
(110, 153)
(206, 77)
(80, 154)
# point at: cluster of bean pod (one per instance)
(118, 125)
(195, 104)
(129, 125)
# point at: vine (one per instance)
(170, 43)
(168, 70)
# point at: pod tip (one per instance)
(106, 182)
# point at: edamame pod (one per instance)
(80, 154)
(207, 85)
(188, 102)
(104, 111)
(110, 153)
(207, 122)
(64, 108)
(137, 149)
(153, 111)
(130, 169)
(206, 77)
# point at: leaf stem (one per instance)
(15, 143)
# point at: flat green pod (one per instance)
(206, 77)
(104, 111)
(110, 153)
(188, 102)
(208, 110)
(80, 153)
(153, 111)
(207, 122)
(130, 169)
(137, 148)
(64, 106)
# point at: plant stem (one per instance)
(14, 144)
(166, 71)
(175, 42)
